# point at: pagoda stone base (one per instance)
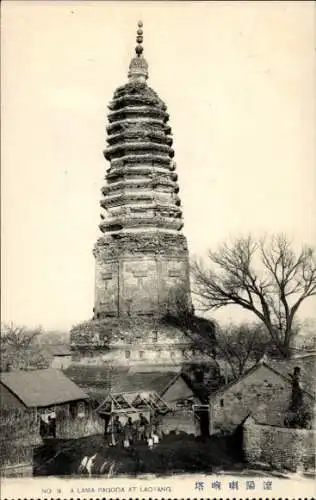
(130, 341)
(149, 357)
(137, 342)
(114, 352)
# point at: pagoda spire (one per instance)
(142, 254)
(138, 68)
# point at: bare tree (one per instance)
(20, 348)
(267, 277)
(18, 336)
(242, 343)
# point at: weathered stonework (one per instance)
(279, 447)
(260, 392)
(135, 273)
(142, 257)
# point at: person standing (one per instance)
(43, 428)
(52, 427)
(143, 423)
(129, 430)
(117, 429)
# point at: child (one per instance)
(155, 439)
(150, 442)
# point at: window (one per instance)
(127, 354)
(221, 403)
(73, 409)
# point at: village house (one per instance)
(172, 386)
(306, 361)
(263, 391)
(36, 406)
(59, 356)
(188, 413)
(177, 393)
(177, 402)
(40, 392)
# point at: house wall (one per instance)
(88, 425)
(61, 362)
(279, 447)
(257, 393)
(11, 403)
(180, 421)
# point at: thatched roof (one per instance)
(42, 388)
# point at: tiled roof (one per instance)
(283, 368)
(58, 349)
(152, 381)
(103, 379)
(41, 388)
(308, 370)
(96, 376)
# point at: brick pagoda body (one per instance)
(142, 262)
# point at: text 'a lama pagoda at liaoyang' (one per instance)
(142, 262)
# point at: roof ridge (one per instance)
(261, 362)
(177, 375)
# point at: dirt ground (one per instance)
(174, 454)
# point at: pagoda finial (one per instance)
(138, 68)
(139, 39)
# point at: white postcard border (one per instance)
(182, 486)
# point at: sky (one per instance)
(239, 82)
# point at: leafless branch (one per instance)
(268, 278)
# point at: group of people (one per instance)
(139, 430)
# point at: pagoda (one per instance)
(141, 259)
(142, 254)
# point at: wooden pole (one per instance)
(226, 373)
(211, 418)
(112, 427)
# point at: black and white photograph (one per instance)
(158, 305)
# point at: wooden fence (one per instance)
(18, 470)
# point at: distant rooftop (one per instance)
(58, 349)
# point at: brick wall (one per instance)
(137, 285)
(137, 355)
(259, 393)
(279, 447)
(134, 340)
(180, 421)
(106, 286)
(134, 273)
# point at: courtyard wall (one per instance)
(280, 447)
